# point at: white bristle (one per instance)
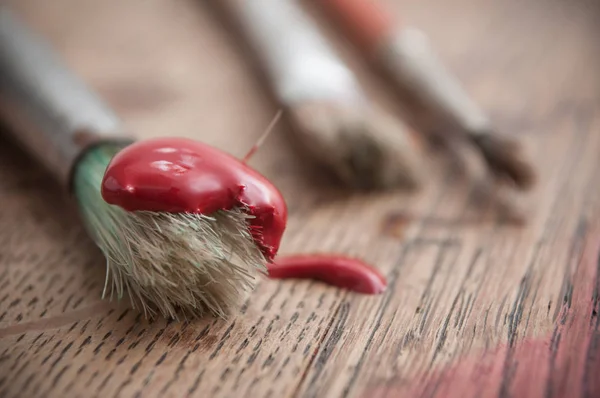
(172, 264)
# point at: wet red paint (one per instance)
(562, 364)
(345, 272)
(179, 175)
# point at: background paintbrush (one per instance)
(166, 263)
(334, 122)
(438, 104)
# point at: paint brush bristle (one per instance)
(366, 148)
(506, 159)
(172, 264)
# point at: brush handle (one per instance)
(299, 61)
(414, 67)
(365, 22)
(48, 109)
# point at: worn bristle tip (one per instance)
(365, 148)
(507, 158)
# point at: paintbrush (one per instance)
(333, 121)
(440, 106)
(172, 260)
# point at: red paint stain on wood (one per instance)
(334, 269)
(563, 364)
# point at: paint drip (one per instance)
(336, 270)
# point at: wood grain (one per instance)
(474, 308)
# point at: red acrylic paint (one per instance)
(180, 175)
(336, 270)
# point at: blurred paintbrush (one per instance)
(334, 122)
(167, 262)
(439, 104)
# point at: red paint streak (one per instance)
(180, 175)
(335, 270)
(366, 20)
(561, 364)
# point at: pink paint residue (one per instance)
(563, 364)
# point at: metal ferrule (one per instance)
(47, 108)
(301, 64)
(412, 63)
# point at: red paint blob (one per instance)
(179, 175)
(335, 270)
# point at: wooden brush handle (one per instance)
(300, 63)
(418, 71)
(47, 108)
(410, 61)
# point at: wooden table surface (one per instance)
(474, 308)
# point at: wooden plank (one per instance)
(475, 308)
